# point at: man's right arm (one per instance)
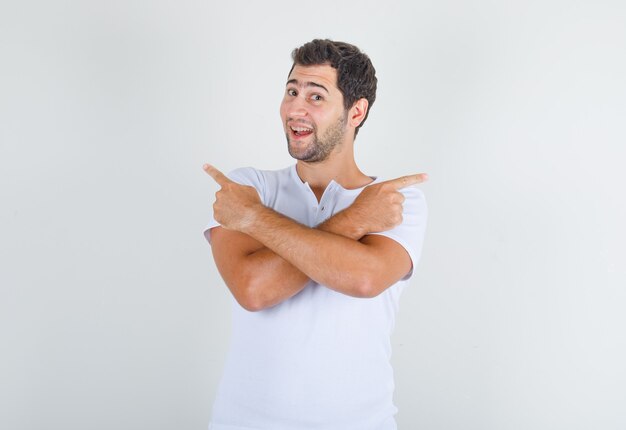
(259, 278)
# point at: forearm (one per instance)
(339, 262)
(265, 257)
(270, 279)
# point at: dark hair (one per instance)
(356, 76)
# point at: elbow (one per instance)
(363, 282)
(248, 297)
(250, 302)
(370, 290)
(250, 305)
(368, 286)
(363, 291)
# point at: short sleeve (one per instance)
(244, 176)
(410, 234)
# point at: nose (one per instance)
(297, 108)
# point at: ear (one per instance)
(357, 112)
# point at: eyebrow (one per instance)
(308, 84)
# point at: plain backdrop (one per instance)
(112, 314)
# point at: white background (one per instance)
(112, 314)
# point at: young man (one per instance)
(316, 256)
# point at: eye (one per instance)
(292, 92)
(316, 97)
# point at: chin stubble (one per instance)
(320, 148)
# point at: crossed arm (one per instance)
(266, 258)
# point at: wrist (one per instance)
(251, 218)
(343, 224)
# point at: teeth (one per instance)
(300, 129)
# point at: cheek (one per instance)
(283, 109)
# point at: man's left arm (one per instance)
(362, 268)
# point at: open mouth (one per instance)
(301, 131)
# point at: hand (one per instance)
(379, 206)
(235, 204)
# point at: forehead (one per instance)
(322, 74)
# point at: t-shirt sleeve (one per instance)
(410, 234)
(244, 176)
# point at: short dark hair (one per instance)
(356, 76)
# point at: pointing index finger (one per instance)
(218, 176)
(407, 181)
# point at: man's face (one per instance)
(312, 112)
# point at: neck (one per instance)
(339, 167)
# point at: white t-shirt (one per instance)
(319, 360)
